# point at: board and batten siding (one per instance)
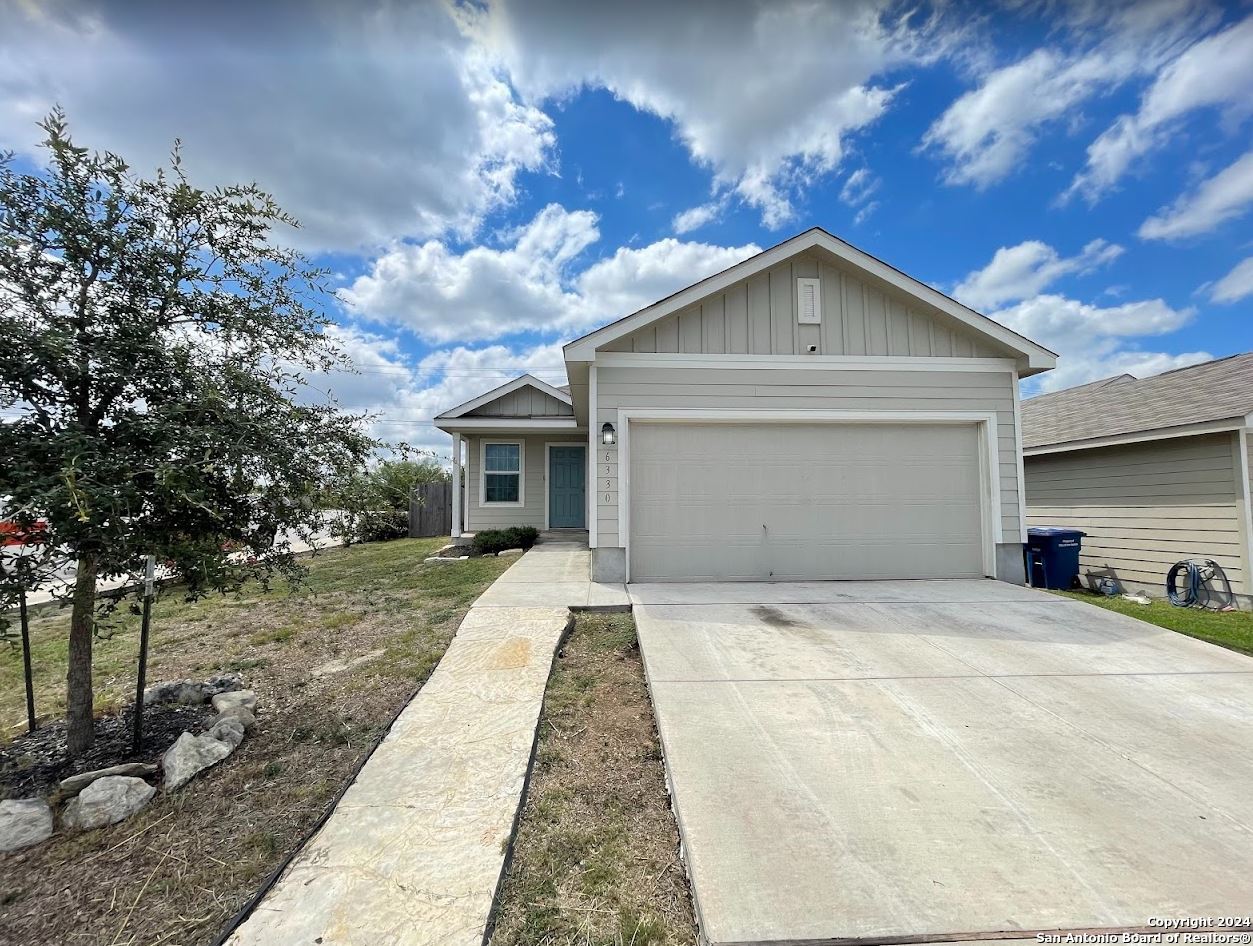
(1146, 506)
(524, 402)
(757, 316)
(801, 389)
(534, 483)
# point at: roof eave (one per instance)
(1200, 428)
(500, 391)
(460, 425)
(1037, 358)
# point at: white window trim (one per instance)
(989, 463)
(483, 445)
(548, 480)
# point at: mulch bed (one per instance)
(33, 763)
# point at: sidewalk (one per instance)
(63, 584)
(415, 850)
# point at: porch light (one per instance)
(608, 436)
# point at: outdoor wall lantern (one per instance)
(608, 435)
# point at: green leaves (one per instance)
(155, 336)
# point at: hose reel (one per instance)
(1199, 576)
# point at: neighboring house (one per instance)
(1153, 470)
(810, 413)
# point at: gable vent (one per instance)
(809, 301)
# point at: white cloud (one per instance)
(406, 395)
(1236, 285)
(1082, 367)
(1056, 321)
(633, 278)
(764, 94)
(1098, 342)
(860, 217)
(1018, 272)
(367, 121)
(1216, 200)
(858, 188)
(529, 286)
(483, 292)
(987, 132)
(1091, 341)
(1215, 72)
(699, 216)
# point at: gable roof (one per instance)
(1212, 391)
(1036, 357)
(508, 387)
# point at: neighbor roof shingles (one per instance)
(1214, 390)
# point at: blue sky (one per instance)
(490, 180)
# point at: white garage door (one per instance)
(804, 501)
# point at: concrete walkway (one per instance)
(554, 571)
(414, 852)
(922, 761)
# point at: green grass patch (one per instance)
(245, 632)
(596, 856)
(148, 879)
(1230, 629)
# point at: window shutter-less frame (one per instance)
(808, 300)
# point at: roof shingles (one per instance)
(1214, 390)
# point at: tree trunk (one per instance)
(78, 698)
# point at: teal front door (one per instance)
(567, 479)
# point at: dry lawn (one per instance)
(596, 859)
(175, 873)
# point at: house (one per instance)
(810, 413)
(1153, 470)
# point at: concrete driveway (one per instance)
(921, 761)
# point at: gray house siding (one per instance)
(534, 484)
(758, 316)
(524, 402)
(1146, 506)
(805, 389)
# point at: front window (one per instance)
(502, 473)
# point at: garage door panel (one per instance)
(796, 501)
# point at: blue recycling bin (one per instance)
(1053, 557)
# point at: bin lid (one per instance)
(1060, 532)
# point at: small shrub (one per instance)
(521, 537)
(489, 541)
(382, 526)
(494, 541)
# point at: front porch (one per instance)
(520, 457)
(504, 478)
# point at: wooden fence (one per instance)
(430, 510)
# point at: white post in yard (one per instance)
(456, 485)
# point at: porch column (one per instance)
(456, 485)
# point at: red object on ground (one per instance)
(13, 534)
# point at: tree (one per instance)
(155, 339)
(389, 484)
(372, 504)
